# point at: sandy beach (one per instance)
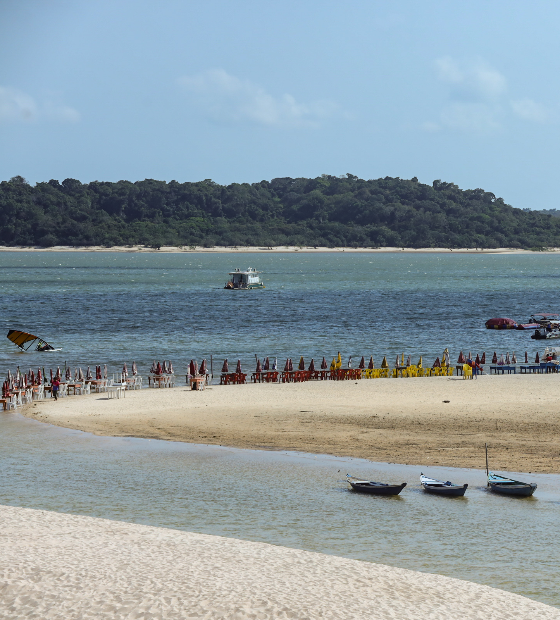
(264, 250)
(78, 568)
(421, 421)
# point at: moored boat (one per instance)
(374, 488)
(438, 487)
(507, 486)
(546, 333)
(501, 323)
(244, 280)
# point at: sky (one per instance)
(464, 92)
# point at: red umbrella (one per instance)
(537, 359)
(225, 367)
(291, 366)
(494, 358)
(301, 364)
(287, 366)
(98, 372)
(526, 358)
(68, 373)
(312, 366)
(202, 370)
(477, 360)
(39, 376)
(437, 363)
(158, 369)
(238, 369)
(192, 369)
(324, 365)
(259, 366)
(461, 359)
(370, 365)
(362, 363)
(483, 358)
(58, 375)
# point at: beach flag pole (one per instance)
(486, 448)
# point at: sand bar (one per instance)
(72, 567)
(386, 420)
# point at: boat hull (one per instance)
(377, 489)
(446, 491)
(513, 490)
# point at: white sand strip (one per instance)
(58, 566)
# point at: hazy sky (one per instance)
(240, 91)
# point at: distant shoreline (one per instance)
(271, 250)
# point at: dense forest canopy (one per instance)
(325, 211)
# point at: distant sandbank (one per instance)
(76, 567)
(269, 250)
(441, 421)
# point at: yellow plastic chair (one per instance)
(467, 372)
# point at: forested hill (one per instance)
(326, 211)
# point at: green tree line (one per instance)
(325, 211)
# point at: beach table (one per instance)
(503, 369)
(236, 378)
(116, 391)
(161, 381)
(99, 385)
(265, 376)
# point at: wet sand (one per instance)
(80, 568)
(386, 420)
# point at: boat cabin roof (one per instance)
(250, 271)
(547, 315)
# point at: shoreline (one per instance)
(138, 249)
(516, 415)
(89, 567)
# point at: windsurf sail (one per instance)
(21, 339)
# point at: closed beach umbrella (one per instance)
(370, 365)
(324, 364)
(537, 359)
(238, 369)
(402, 359)
(384, 363)
(88, 374)
(513, 358)
(153, 368)
(68, 373)
(18, 374)
(58, 374)
(397, 363)
(170, 368)
(225, 367)
(275, 365)
(164, 368)
(203, 369)
(494, 358)
(437, 363)
(196, 372)
(420, 362)
(159, 369)
(526, 357)
(301, 364)
(501, 361)
(446, 360)
(350, 362)
(477, 360)
(408, 361)
(134, 369)
(470, 356)
(462, 359)
(339, 361)
(124, 370)
(259, 366)
(287, 365)
(291, 366)
(362, 363)
(266, 364)
(333, 364)
(508, 360)
(312, 365)
(80, 374)
(33, 377)
(483, 358)
(192, 368)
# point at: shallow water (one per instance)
(116, 307)
(290, 499)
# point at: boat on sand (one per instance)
(374, 488)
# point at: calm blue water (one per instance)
(115, 307)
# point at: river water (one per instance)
(111, 308)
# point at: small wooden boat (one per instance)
(507, 486)
(438, 487)
(374, 488)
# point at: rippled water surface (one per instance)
(290, 499)
(115, 307)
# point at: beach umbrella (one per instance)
(88, 373)
(461, 359)
(124, 371)
(33, 377)
(259, 366)
(513, 358)
(238, 369)
(192, 372)
(350, 362)
(526, 357)
(164, 368)
(408, 361)
(266, 365)
(339, 361)
(362, 363)
(370, 365)
(76, 375)
(291, 365)
(158, 369)
(384, 363)
(312, 365)
(333, 364)
(508, 360)
(477, 360)
(196, 371)
(397, 363)
(301, 364)
(445, 360)
(537, 359)
(80, 374)
(287, 365)
(501, 361)
(275, 365)
(324, 364)
(134, 369)
(483, 358)
(105, 371)
(225, 367)
(470, 355)
(402, 359)
(68, 373)
(203, 369)
(420, 362)
(153, 368)
(170, 368)
(494, 358)
(98, 372)
(437, 363)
